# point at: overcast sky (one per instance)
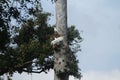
(99, 24)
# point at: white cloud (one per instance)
(99, 75)
(26, 76)
(89, 75)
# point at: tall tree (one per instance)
(60, 62)
(63, 67)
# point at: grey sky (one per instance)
(99, 21)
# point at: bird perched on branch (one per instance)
(56, 38)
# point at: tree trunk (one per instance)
(60, 62)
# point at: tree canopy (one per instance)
(25, 39)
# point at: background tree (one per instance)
(19, 54)
(4, 34)
(26, 46)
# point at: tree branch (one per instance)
(33, 71)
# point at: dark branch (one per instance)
(34, 71)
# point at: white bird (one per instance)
(36, 27)
(57, 40)
(55, 29)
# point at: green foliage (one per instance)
(73, 34)
(74, 40)
(28, 47)
(35, 43)
(73, 65)
(4, 34)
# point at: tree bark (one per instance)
(60, 62)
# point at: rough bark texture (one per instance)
(60, 55)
